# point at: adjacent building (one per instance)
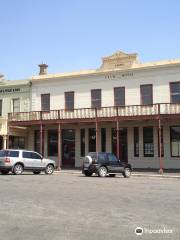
(126, 107)
(14, 97)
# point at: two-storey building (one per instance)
(14, 97)
(126, 107)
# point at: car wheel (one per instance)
(87, 174)
(112, 175)
(4, 172)
(127, 172)
(102, 172)
(49, 169)
(18, 169)
(36, 172)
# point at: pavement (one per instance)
(66, 206)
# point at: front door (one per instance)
(123, 147)
(68, 147)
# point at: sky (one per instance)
(73, 35)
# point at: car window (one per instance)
(112, 157)
(36, 155)
(2, 154)
(27, 154)
(12, 153)
(102, 156)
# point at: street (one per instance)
(67, 206)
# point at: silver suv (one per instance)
(17, 161)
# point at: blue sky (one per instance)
(72, 35)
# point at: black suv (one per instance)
(104, 164)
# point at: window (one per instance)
(45, 102)
(82, 135)
(148, 142)
(162, 143)
(112, 157)
(92, 140)
(69, 100)
(16, 142)
(16, 105)
(9, 153)
(103, 139)
(52, 143)
(175, 141)
(119, 96)
(35, 155)
(175, 92)
(37, 140)
(96, 98)
(146, 94)
(27, 155)
(0, 107)
(102, 157)
(136, 141)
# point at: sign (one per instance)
(10, 90)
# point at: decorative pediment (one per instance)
(119, 59)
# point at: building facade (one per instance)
(126, 107)
(14, 97)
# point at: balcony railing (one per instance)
(103, 112)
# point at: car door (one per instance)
(114, 164)
(27, 159)
(37, 160)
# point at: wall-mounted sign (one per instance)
(123, 75)
(10, 90)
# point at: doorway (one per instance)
(68, 147)
(1, 142)
(123, 145)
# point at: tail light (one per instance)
(7, 160)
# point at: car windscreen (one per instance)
(7, 153)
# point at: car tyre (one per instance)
(36, 172)
(102, 172)
(49, 169)
(127, 172)
(4, 172)
(87, 173)
(18, 169)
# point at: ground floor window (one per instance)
(175, 141)
(82, 136)
(16, 142)
(136, 141)
(1, 142)
(103, 139)
(162, 143)
(37, 141)
(148, 142)
(92, 140)
(52, 143)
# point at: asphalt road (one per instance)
(65, 206)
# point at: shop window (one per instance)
(92, 140)
(82, 136)
(69, 100)
(52, 143)
(37, 141)
(16, 142)
(148, 142)
(136, 141)
(96, 98)
(175, 92)
(175, 141)
(103, 139)
(119, 96)
(45, 102)
(146, 94)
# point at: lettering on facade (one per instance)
(10, 90)
(113, 76)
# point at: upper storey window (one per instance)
(175, 92)
(119, 96)
(16, 105)
(96, 98)
(69, 100)
(0, 107)
(45, 102)
(146, 94)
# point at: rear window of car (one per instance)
(9, 153)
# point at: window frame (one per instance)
(13, 100)
(92, 100)
(121, 105)
(171, 141)
(65, 100)
(49, 102)
(145, 154)
(141, 96)
(1, 107)
(170, 91)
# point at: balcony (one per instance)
(104, 113)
